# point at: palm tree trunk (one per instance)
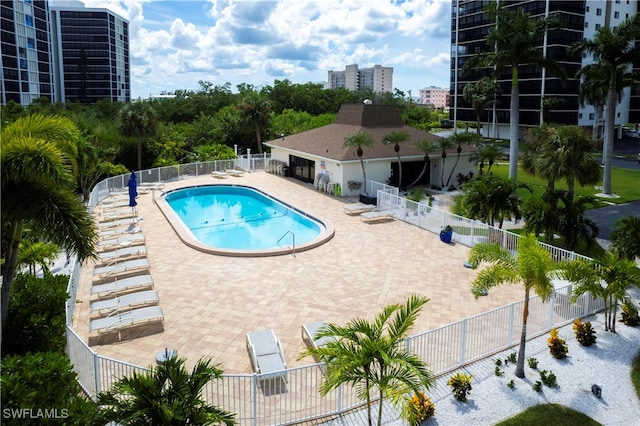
(380, 408)
(424, 169)
(613, 316)
(257, 127)
(399, 171)
(514, 122)
(523, 337)
(364, 176)
(607, 153)
(366, 382)
(10, 269)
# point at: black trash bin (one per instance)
(285, 171)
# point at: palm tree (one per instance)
(396, 138)
(513, 40)
(614, 50)
(34, 254)
(488, 153)
(459, 138)
(481, 94)
(139, 119)
(608, 276)
(426, 147)
(254, 111)
(359, 140)
(37, 189)
(372, 355)
(165, 395)
(493, 199)
(625, 238)
(562, 152)
(531, 267)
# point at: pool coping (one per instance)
(187, 237)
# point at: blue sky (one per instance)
(175, 44)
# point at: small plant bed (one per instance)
(550, 414)
(557, 346)
(460, 384)
(417, 409)
(630, 314)
(585, 334)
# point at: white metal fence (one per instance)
(294, 397)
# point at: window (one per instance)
(599, 12)
(28, 20)
(616, 15)
(597, 27)
(586, 24)
(580, 115)
(31, 43)
(587, 9)
(591, 116)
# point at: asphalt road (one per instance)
(605, 217)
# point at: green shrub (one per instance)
(585, 334)
(512, 358)
(417, 409)
(43, 381)
(460, 383)
(557, 346)
(533, 363)
(36, 317)
(537, 386)
(511, 384)
(629, 314)
(548, 379)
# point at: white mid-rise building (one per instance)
(377, 78)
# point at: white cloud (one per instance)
(174, 44)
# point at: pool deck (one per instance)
(210, 302)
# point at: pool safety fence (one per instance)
(294, 397)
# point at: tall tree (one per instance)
(614, 49)
(166, 395)
(254, 111)
(139, 119)
(607, 276)
(37, 158)
(530, 266)
(372, 355)
(396, 138)
(480, 95)
(358, 141)
(513, 41)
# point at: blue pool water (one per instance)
(240, 218)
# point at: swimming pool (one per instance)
(241, 221)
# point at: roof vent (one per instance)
(367, 102)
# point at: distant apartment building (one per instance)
(90, 53)
(26, 51)
(437, 97)
(580, 19)
(377, 78)
(64, 52)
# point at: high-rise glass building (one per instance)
(63, 52)
(537, 87)
(26, 51)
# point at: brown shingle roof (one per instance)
(377, 120)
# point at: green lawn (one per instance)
(625, 183)
(549, 414)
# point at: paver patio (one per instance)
(210, 302)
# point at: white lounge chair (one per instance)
(117, 214)
(235, 173)
(219, 175)
(120, 241)
(125, 252)
(128, 319)
(125, 302)
(310, 330)
(117, 223)
(358, 208)
(267, 357)
(377, 216)
(117, 231)
(121, 267)
(122, 286)
(113, 205)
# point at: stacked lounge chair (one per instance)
(129, 301)
(119, 286)
(358, 208)
(118, 322)
(377, 216)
